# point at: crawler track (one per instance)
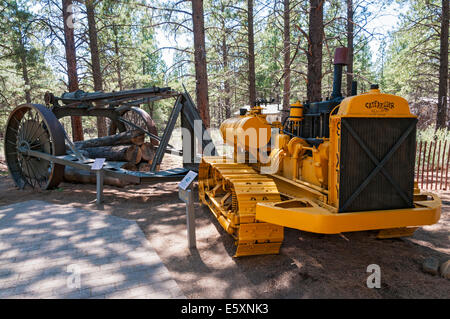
(232, 190)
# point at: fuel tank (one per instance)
(249, 132)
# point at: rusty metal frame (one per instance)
(80, 103)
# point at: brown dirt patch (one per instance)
(308, 266)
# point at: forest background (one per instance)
(227, 53)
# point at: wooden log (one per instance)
(428, 164)
(129, 137)
(82, 152)
(446, 169)
(432, 165)
(144, 167)
(133, 154)
(138, 140)
(443, 158)
(438, 166)
(423, 165)
(129, 166)
(110, 153)
(73, 175)
(148, 152)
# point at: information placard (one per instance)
(187, 180)
(98, 164)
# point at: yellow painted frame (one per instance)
(317, 219)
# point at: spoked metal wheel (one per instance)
(135, 118)
(34, 127)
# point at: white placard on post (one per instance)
(186, 195)
(187, 180)
(98, 167)
(98, 164)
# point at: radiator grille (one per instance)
(379, 136)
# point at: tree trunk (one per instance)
(77, 128)
(151, 106)
(201, 75)
(349, 46)
(95, 60)
(26, 78)
(441, 118)
(287, 61)
(226, 83)
(24, 65)
(117, 52)
(314, 76)
(251, 55)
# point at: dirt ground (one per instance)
(308, 266)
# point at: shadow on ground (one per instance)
(55, 251)
(308, 266)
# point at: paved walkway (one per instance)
(57, 251)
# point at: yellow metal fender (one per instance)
(304, 214)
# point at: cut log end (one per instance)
(133, 154)
(148, 151)
(144, 167)
(138, 140)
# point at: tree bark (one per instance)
(133, 154)
(117, 52)
(201, 75)
(73, 175)
(71, 58)
(144, 167)
(25, 76)
(95, 60)
(226, 83)
(314, 75)
(110, 153)
(441, 118)
(151, 106)
(349, 46)
(251, 55)
(130, 167)
(148, 152)
(124, 138)
(287, 61)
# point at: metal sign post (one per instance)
(186, 194)
(98, 167)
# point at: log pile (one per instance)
(129, 147)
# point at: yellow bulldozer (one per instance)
(333, 166)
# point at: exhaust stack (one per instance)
(340, 59)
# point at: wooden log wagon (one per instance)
(37, 147)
